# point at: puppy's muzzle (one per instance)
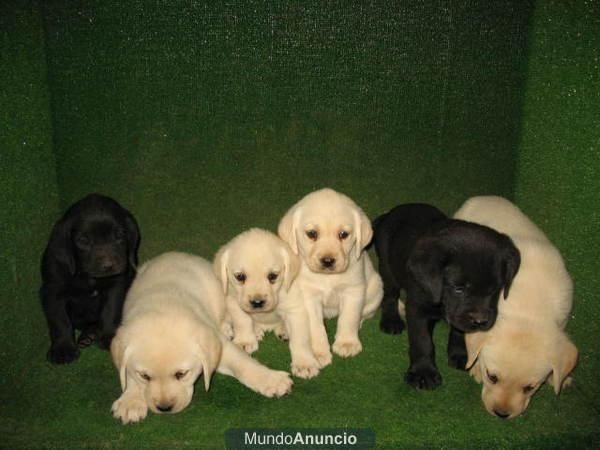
(480, 320)
(501, 413)
(257, 303)
(327, 262)
(107, 266)
(469, 321)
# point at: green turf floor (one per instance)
(69, 407)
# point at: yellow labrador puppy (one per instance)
(329, 232)
(527, 345)
(170, 334)
(256, 270)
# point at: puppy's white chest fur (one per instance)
(330, 289)
(331, 298)
(331, 304)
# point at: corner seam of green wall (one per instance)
(524, 82)
(51, 103)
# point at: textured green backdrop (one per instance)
(206, 118)
(558, 176)
(28, 193)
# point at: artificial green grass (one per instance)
(69, 407)
(207, 119)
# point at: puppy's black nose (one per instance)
(501, 413)
(327, 262)
(257, 303)
(164, 408)
(479, 319)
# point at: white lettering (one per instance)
(299, 439)
(249, 439)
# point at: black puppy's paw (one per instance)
(391, 325)
(63, 353)
(423, 378)
(458, 360)
(86, 339)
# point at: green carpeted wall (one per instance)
(205, 119)
(559, 158)
(217, 117)
(28, 193)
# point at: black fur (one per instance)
(87, 268)
(450, 269)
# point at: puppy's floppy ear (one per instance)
(363, 230)
(426, 264)
(288, 227)
(475, 342)
(209, 352)
(121, 352)
(133, 238)
(60, 245)
(291, 266)
(509, 266)
(564, 360)
(220, 267)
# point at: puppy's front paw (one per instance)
(423, 377)
(275, 384)
(391, 325)
(86, 339)
(247, 343)
(282, 336)
(259, 332)
(227, 330)
(281, 333)
(566, 383)
(323, 355)
(63, 353)
(129, 409)
(305, 366)
(347, 348)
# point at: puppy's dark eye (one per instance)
(82, 241)
(527, 389)
(240, 276)
(272, 277)
(181, 374)
(313, 235)
(145, 376)
(493, 378)
(343, 235)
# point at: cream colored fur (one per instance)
(170, 334)
(351, 289)
(257, 254)
(527, 345)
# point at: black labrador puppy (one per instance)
(450, 269)
(87, 268)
